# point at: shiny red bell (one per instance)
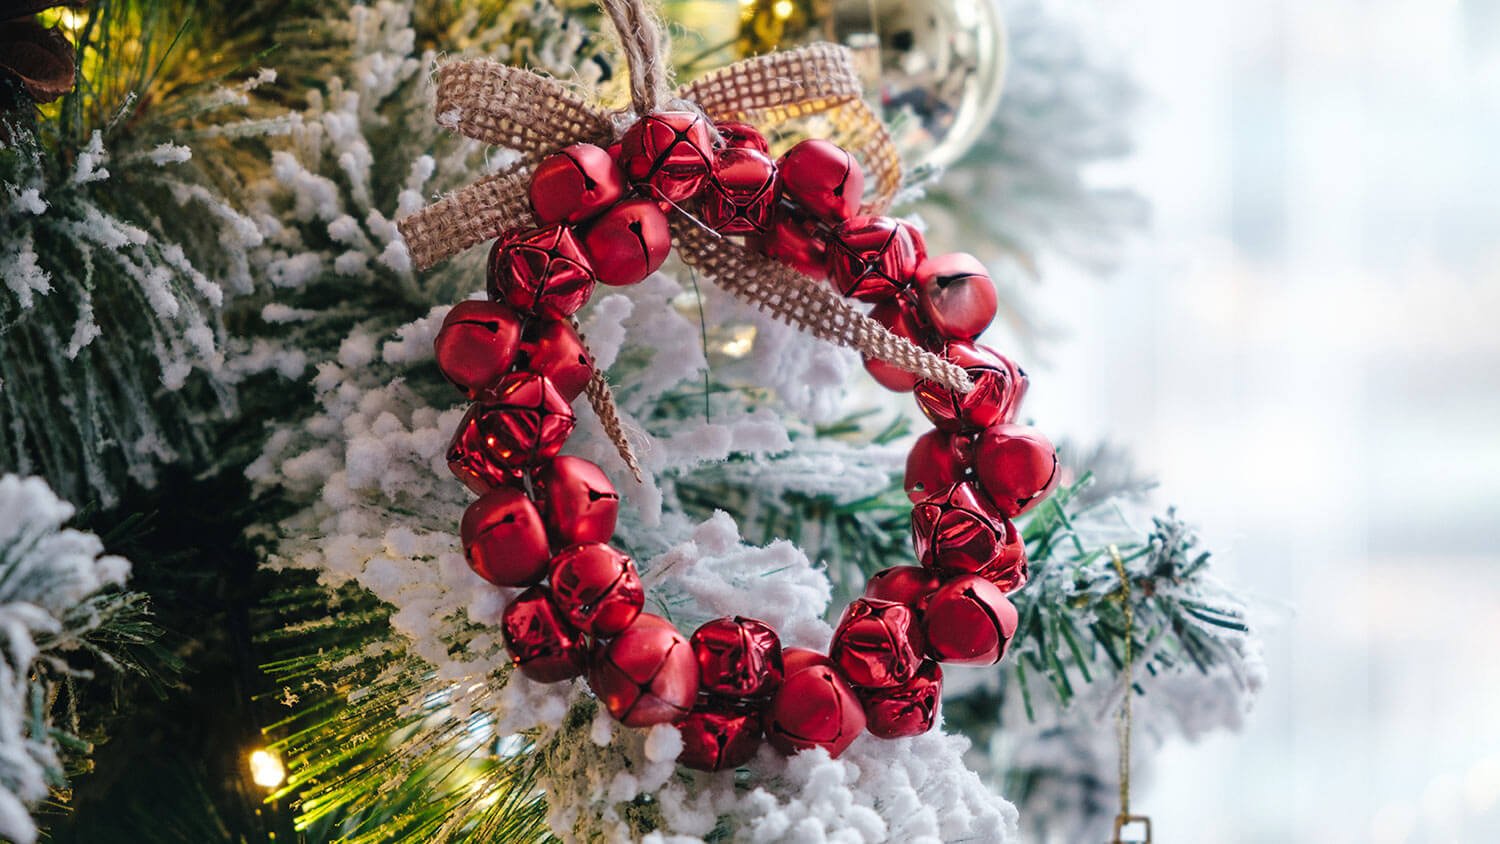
(526, 423)
(597, 588)
(932, 466)
(504, 539)
(578, 501)
(909, 585)
(797, 659)
(477, 345)
(999, 386)
(871, 258)
(877, 644)
(718, 735)
(542, 645)
(737, 657)
(1017, 467)
(957, 296)
(552, 348)
(969, 622)
(962, 443)
(575, 184)
(899, 316)
(471, 460)
(740, 193)
(908, 709)
(543, 272)
(958, 530)
(670, 152)
(736, 135)
(814, 708)
(647, 674)
(822, 179)
(795, 241)
(628, 242)
(1009, 570)
(918, 242)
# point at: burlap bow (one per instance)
(537, 115)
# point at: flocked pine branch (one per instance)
(118, 261)
(184, 222)
(64, 618)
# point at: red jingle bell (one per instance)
(542, 272)
(597, 588)
(999, 386)
(527, 422)
(917, 240)
(878, 644)
(796, 242)
(737, 657)
(542, 645)
(552, 348)
(932, 466)
(822, 178)
(871, 258)
(958, 530)
(814, 708)
(1009, 570)
(647, 674)
(579, 502)
(477, 344)
(796, 659)
(575, 184)
(956, 295)
(718, 736)
(504, 539)
(736, 135)
(909, 585)
(969, 622)
(740, 193)
(1017, 467)
(629, 242)
(471, 460)
(670, 151)
(908, 709)
(900, 318)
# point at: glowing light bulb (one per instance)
(783, 9)
(71, 21)
(741, 343)
(266, 770)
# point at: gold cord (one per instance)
(1125, 717)
(1125, 714)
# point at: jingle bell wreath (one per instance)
(608, 213)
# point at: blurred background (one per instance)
(1303, 349)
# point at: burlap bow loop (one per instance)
(536, 116)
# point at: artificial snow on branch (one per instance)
(58, 596)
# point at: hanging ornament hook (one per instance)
(1125, 819)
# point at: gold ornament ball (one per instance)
(934, 68)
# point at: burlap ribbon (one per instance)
(537, 115)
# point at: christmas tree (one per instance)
(213, 341)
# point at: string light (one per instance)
(266, 770)
(70, 20)
(741, 343)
